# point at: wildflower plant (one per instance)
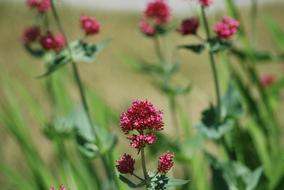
(140, 122)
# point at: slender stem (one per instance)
(158, 49)
(79, 83)
(213, 66)
(173, 110)
(144, 164)
(140, 178)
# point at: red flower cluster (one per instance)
(189, 26)
(165, 162)
(61, 187)
(157, 14)
(42, 6)
(125, 164)
(139, 141)
(205, 3)
(226, 28)
(30, 34)
(267, 80)
(90, 25)
(140, 116)
(52, 42)
(159, 11)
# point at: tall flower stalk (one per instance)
(108, 169)
(212, 64)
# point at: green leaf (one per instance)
(259, 56)
(195, 48)
(87, 52)
(236, 175)
(128, 182)
(38, 53)
(217, 45)
(176, 182)
(216, 131)
(55, 61)
(87, 147)
(231, 102)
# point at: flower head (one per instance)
(140, 116)
(139, 141)
(165, 162)
(30, 34)
(267, 80)
(159, 10)
(59, 42)
(90, 25)
(205, 3)
(52, 42)
(47, 41)
(146, 28)
(226, 28)
(41, 5)
(125, 164)
(189, 26)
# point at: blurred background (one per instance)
(113, 80)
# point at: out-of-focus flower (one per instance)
(205, 3)
(189, 26)
(140, 116)
(30, 34)
(47, 41)
(267, 80)
(165, 162)
(125, 164)
(226, 28)
(59, 41)
(146, 28)
(90, 25)
(44, 6)
(41, 5)
(139, 141)
(159, 10)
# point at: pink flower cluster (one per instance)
(90, 25)
(42, 6)
(50, 41)
(226, 28)
(205, 3)
(139, 141)
(267, 80)
(30, 34)
(125, 164)
(142, 118)
(157, 14)
(189, 26)
(165, 162)
(158, 10)
(61, 187)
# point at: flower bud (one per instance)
(125, 164)
(189, 26)
(226, 28)
(165, 162)
(90, 25)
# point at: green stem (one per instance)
(77, 77)
(213, 66)
(143, 161)
(158, 49)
